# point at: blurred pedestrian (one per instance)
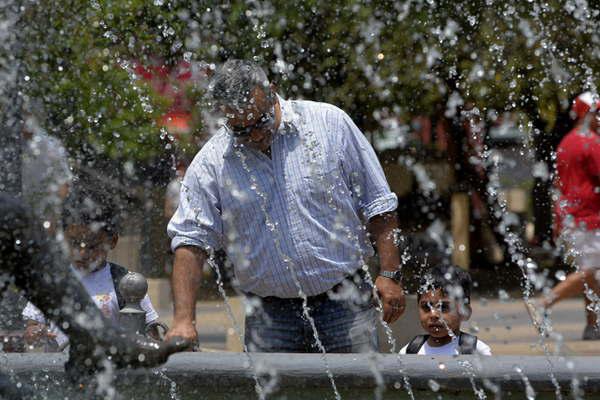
(578, 209)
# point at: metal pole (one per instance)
(132, 317)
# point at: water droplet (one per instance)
(433, 385)
(529, 393)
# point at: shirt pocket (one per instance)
(318, 190)
(243, 207)
(319, 178)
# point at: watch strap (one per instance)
(395, 275)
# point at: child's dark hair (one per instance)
(453, 281)
(90, 207)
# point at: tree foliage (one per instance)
(371, 58)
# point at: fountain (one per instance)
(303, 376)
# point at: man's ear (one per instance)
(273, 89)
(113, 240)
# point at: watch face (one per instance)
(395, 275)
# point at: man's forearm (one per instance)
(382, 229)
(185, 281)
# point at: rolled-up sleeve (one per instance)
(363, 171)
(197, 220)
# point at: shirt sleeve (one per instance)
(362, 171)
(151, 314)
(197, 220)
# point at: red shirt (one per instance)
(578, 167)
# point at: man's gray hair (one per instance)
(233, 83)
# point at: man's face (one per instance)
(254, 125)
(88, 249)
(438, 314)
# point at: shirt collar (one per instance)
(289, 119)
(97, 269)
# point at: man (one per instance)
(578, 208)
(293, 192)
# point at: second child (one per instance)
(90, 225)
(444, 301)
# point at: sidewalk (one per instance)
(505, 326)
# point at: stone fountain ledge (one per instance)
(231, 370)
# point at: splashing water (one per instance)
(172, 384)
(526, 265)
(469, 371)
(529, 391)
(255, 187)
(260, 390)
(105, 381)
(312, 156)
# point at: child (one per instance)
(91, 230)
(444, 301)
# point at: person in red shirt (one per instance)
(578, 208)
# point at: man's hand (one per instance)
(184, 330)
(392, 298)
(35, 332)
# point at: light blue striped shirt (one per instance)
(294, 220)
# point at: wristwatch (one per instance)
(395, 275)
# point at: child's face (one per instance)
(88, 248)
(438, 313)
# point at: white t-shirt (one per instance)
(450, 349)
(99, 285)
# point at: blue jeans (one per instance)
(345, 318)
